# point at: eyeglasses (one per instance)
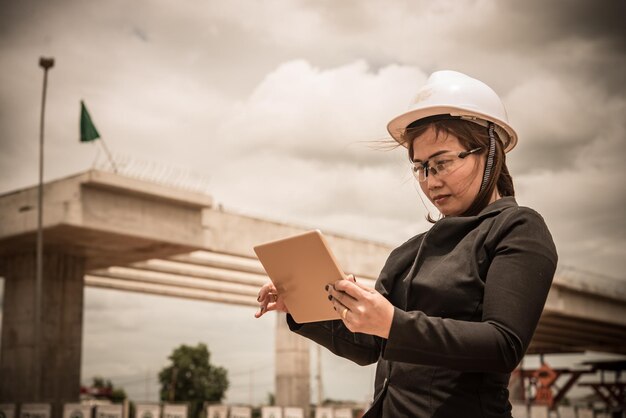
(442, 164)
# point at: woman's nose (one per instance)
(433, 181)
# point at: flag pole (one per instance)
(106, 150)
(46, 64)
(95, 160)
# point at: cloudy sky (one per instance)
(273, 108)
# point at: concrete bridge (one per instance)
(109, 231)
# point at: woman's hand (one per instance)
(362, 308)
(270, 300)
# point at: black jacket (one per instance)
(468, 295)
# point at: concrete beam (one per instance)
(559, 330)
(187, 282)
(218, 260)
(64, 204)
(202, 272)
(231, 233)
(106, 218)
(114, 220)
(585, 305)
(170, 290)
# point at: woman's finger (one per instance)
(343, 311)
(351, 288)
(262, 292)
(338, 306)
(260, 312)
(368, 289)
(267, 295)
(342, 297)
(265, 289)
(263, 306)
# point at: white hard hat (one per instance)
(458, 95)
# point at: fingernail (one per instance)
(258, 299)
(326, 288)
(330, 297)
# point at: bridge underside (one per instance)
(225, 278)
(103, 230)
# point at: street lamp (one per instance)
(46, 64)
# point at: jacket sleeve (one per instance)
(516, 288)
(362, 349)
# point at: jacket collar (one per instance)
(499, 205)
(490, 210)
(402, 257)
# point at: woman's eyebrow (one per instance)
(417, 160)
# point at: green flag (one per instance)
(88, 131)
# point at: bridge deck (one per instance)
(144, 237)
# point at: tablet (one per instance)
(300, 267)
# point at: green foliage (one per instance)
(191, 378)
(116, 395)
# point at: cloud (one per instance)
(314, 133)
(558, 118)
(574, 19)
(581, 207)
(303, 111)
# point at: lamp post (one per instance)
(46, 64)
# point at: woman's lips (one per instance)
(439, 199)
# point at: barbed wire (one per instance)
(153, 171)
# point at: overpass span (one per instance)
(578, 316)
(110, 231)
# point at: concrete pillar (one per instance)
(516, 386)
(293, 386)
(61, 330)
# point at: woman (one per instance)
(454, 309)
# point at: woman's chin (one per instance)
(448, 210)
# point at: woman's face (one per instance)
(452, 193)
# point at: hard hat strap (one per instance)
(490, 156)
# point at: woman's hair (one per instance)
(471, 135)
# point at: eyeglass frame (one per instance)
(427, 169)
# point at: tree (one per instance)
(191, 378)
(104, 389)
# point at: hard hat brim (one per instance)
(398, 125)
